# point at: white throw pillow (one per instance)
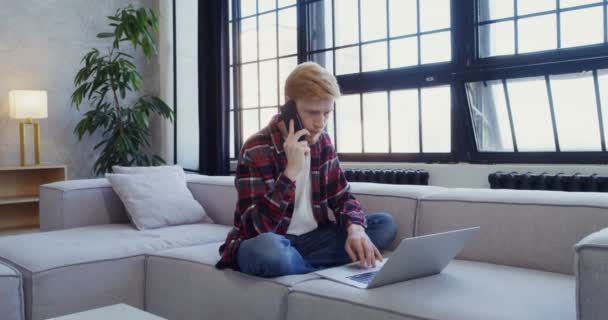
(147, 170)
(157, 200)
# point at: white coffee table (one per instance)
(117, 311)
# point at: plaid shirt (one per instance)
(266, 197)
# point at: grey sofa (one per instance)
(538, 255)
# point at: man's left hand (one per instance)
(360, 247)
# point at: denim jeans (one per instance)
(273, 255)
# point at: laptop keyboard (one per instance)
(363, 277)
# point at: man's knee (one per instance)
(383, 228)
(262, 252)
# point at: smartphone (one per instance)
(290, 112)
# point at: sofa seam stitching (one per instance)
(516, 203)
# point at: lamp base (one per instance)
(36, 141)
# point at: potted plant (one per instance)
(105, 80)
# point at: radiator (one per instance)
(390, 176)
(545, 181)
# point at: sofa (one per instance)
(538, 255)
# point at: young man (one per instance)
(286, 189)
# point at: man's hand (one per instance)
(295, 151)
(360, 247)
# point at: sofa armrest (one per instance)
(78, 203)
(591, 270)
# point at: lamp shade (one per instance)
(26, 104)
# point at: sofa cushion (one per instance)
(465, 290)
(157, 200)
(11, 293)
(183, 283)
(77, 269)
(540, 227)
(398, 200)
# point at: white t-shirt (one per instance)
(303, 220)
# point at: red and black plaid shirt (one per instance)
(266, 197)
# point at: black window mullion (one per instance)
(551, 108)
(605, 23)
(236, 51)
(276, 34)
(333, 57)
(509, 112)
(598, 102)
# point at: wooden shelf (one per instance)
(13, 200)
(19, 193)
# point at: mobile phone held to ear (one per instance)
(290, 112)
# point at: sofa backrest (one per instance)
(217, 194)
(398, 200)
(522, 228)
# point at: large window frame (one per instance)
(465, 66)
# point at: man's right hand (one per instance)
(295, 151)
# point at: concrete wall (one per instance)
(41, 44)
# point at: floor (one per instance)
(10, 232)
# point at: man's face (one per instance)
(314, 115)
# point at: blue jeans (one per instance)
(273, 255)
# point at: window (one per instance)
(267, 52)
(509, 27)
(429, 80)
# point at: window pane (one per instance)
(375, 122)
(531, 115)
(347, 20)
(496, 39)
(286, 65)
(347, 60)
(490, 116)
(186, 63)
(434, 15)
(537, 33)
(288, 32)
(574, 3)
(325, 59)
(582, 27)
(320, 25)
(266, 115)
(268, 35)
(436, 119)
(249, 85)
(602, 76)
(373, 22)
(374, 56)
(495, 9)
(348, 117)
(266, 5)
(249, 41)
(330, 127)
(576, 112)
(404, 52)
(248, 7)
(532, 6)
(404, 121)
(436, 47)
(268, 83)
(402, 17)
(231, 134)
(284, 3)
(250, 123)
(230, 42)
(231, 75)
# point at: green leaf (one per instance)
(105, 35)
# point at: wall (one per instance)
(41, 44)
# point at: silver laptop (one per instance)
(415, 257)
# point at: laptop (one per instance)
(415, 257)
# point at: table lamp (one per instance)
(27, 105)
